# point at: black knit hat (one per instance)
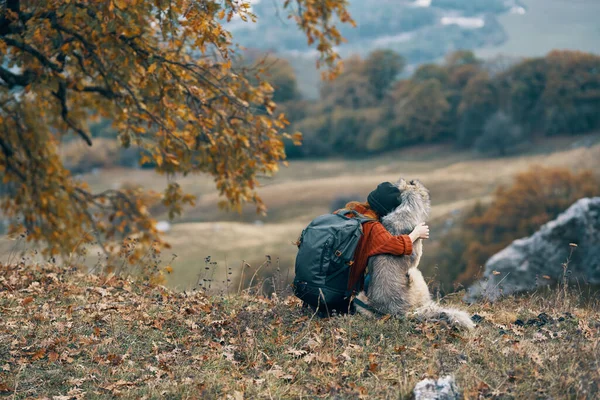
(384, 199)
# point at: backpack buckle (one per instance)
(338, 253)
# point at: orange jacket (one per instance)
(375, 240)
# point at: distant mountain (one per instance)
(421, 30)
(426, 30)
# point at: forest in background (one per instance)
(496, 106)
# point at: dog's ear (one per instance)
(421, 189)
(401, 183)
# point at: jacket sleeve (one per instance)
(383, 242)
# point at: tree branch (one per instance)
(61, 94)
(5, 23)
(13, 79)
(34, 52)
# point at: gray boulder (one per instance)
(442, 389)
(538, 260)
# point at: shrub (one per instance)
(536, 197)
(501, 136)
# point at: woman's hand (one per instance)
(421, 231)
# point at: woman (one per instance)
(376, 239)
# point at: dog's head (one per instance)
(414, 195)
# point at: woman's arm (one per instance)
(383, 242)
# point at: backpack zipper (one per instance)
(325, 248)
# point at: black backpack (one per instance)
(325, 255)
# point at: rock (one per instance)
(442, 389)
(538, 260)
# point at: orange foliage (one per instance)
(536, 197)
(162, 72)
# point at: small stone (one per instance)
(441, 389)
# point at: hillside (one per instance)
(307, 188)
(75, 336)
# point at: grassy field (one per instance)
(306, 189)
(76, 336)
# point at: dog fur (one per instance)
(397, 286)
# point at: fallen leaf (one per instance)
(384, 318)
(309, 358)
(115, 359)
(399, 349)
(296, 353)
(38, 354)
(4, 388)
(27, 300)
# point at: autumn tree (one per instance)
(501, 136)
(382, 67)
(161, 72)
(278, 71)
(479, 101)
(351, 89)
(418, 110)
(571, 98)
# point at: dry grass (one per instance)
(80, 336)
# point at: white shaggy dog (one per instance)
(397, 286)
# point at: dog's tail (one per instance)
(434, 312)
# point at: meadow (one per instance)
(307, 188)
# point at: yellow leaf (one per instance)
(120, 4)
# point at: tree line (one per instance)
(494, 106)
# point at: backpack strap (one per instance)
(367, 307)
